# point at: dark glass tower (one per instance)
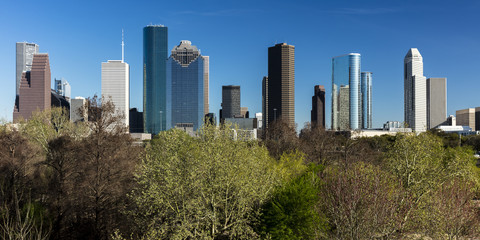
(280, 87)
(155, 54)
(187, 87)
(230, 101)
(318, 107)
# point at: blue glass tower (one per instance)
(346, 92)
(366, 100)
(187, 87)
(155, 54)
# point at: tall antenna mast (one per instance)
(123, 48)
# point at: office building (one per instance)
(62, 87)
(24, 59)
(279, 88)
(34, 91)
(186, 91)
(415, 91)
(265, 102)
(366, 82)
(116, 87)
(230, 101)
(318, 107)
(78, 109)
(466, 117)
(136, 121)
(155, 54)
(346, 92)
(436, 102)
(244, 113)
(259, 118)
(60, 101)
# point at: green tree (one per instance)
(210, 187)
(292, 212)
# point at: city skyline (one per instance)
(95, 40)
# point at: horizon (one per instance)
(79, 44)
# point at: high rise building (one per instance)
(466, 117)
(62, 87)
(230, 101)
(265, 102)
(155, 54)
(318, 107)
(366, 82)
(279, 94)
(34, 91)
(186, 91)
(415, 91)
(78, 109)
(346, 92)
(116, 86)
(25, 52)
(436, 102)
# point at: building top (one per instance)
(343, 55)
(185, 53)
(413, 52)
(283, 44)
(230, 86)
(155, 25)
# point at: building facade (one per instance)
(78, 109)
(186, 87)
(346, 92)
(279, 87)
(318, 107)
(116, 87)
(230, 101)
(34, 91)
(415, 92)
(155, 54)
(436, 102)
(466, 117)
(24, 59)
(63, 88)
(265, 102)
(366, 82)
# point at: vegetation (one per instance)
(87, 180)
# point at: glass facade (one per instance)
(155, 54)
(62, 87)
(346, 92)
(366, 100)
(186, 87)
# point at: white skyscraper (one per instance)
(25, 53)
(116, 86)
(415, 91)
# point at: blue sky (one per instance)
(79, 35)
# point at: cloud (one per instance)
(362, 11)
(223, 12)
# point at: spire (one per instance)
(123, 48)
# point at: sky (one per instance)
(80, 35)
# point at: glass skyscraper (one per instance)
(186, 87)
(155, 54)
(366, 99)
(63, 88)
(346, 92)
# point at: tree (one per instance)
(280, 137)
(210, 187)
(319, 145)
(361, 201)
(292, 212)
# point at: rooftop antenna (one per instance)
(123, 47)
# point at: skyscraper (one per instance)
(155, 54)
(186, 81)
(346, 92)
(436, 102)
(25, 52)
(34, 91)
(366, 82)
(280, 85)
(230, 101)
(318, 107)
(415, 91)
(265, 101)
(116, 86)
(63, 88)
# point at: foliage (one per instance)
(361, 201)
(280, 137)
(292, 212)
(209, 187)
